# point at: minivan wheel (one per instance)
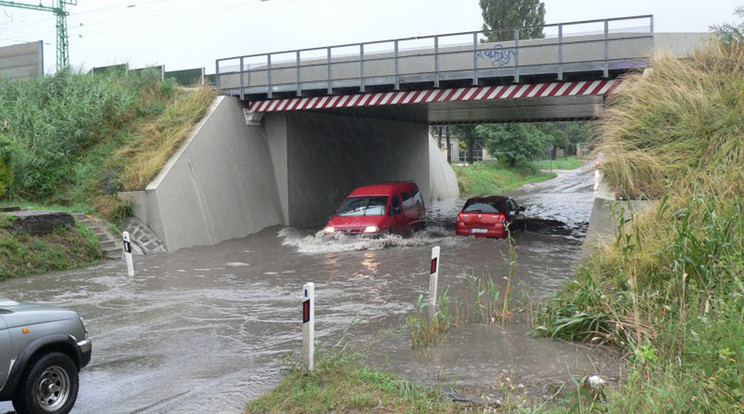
(50, 385)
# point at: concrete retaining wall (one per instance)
(220, 185)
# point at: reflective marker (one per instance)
(128, 253)
(308, 325)
(433, 278)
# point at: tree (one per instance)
(513, 143)
(507, 14)
(729, 34)
(469, 136)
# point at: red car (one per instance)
(380, 208)
(488, 216)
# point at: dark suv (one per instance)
(42, 349)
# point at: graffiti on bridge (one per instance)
(498, 55)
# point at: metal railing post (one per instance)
(516, 55)
(560, 52)
(475, 58)
(651, 18)
(361, 67)
(606, 68)
(397, 68)
(217, 74)
(242, 71)
(328, 63)
(268, 75)
(299, 76)
(436, 61)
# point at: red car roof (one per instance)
(383, 189)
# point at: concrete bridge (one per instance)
(298, 130)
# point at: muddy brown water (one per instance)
(205, 329)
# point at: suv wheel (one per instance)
(49, 386)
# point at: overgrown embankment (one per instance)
(65, 248)
(670, 288)
(75, 140)
(492, 177)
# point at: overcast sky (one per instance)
(194, 33)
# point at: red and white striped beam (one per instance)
(534, 90)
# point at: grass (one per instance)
(64, 249)
(493, 177)
(157, 140)
(567, 163)
(340, 383)
(669, 289)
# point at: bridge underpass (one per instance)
(291, 138)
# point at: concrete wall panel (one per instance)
(220, 185)
(22, 61)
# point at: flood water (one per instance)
(205, 329)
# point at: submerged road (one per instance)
(205, 329)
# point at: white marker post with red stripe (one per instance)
(433, 278)
(128, 253)
(308, 324)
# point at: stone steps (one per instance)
(110, 245)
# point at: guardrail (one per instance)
(588, 45)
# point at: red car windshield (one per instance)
(482, 206)
(363, 206)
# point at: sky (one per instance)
(187, 34)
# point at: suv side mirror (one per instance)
(521, 208)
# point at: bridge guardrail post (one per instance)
(328, 64)
(242, 71)
(516, 55)
(397, 68)
(217, 74)
(299, 76)
(268, 75)
(605, 70)
(651, 29)
(475, 58)
(560, 52)
(361, 67)
(436, 61)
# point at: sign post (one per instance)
(128, 253)
(308, 325)
(433, 278)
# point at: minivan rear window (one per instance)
(491, 207)
(363, 206)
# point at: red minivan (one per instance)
(380, 208)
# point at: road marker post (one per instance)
(433, 279)
(128, 253)
(308, 325)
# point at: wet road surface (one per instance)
(204, 329)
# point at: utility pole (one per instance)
(58, 8)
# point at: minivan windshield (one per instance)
(363, 206)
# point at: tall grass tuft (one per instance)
(154, 142)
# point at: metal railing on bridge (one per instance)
(602, 47)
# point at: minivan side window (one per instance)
(395, 206)
(418, 200)
(408, 202)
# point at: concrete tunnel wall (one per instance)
(330, 155)
(229, 180)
